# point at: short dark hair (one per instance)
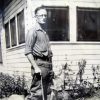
(38, 8)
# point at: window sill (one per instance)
(57, 43)
(74, 43)
(88, 43)
(16, 47)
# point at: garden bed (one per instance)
(10, 85)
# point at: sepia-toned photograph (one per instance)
(49, 49)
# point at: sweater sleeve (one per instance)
(30, 40)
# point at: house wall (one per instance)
(2, 45)
(0, 36)
(14, 58)
(71, 52)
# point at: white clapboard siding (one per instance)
(12, 57)
(15, 51)
(73, 53)
(16, 56)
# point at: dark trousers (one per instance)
(46, 76)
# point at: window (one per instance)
(13, 32)
(88, 24)
(21, 27)
(58, 25)
(16, 32)
(7, 35)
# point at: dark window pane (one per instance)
(88, 24)
(21, 27)
(58, 23)
(13, 32)
(7, 35)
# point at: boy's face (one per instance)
(41, 16)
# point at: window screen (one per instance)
(7, 35)
(21, 27)
(13, 32)
(88, 24)
(57, 23)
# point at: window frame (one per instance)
(68, 33)
(15, 17)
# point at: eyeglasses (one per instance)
(43, 15)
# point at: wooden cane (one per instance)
(42, 88)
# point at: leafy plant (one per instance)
(79, 90)
(12, 85)
(96, 74)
